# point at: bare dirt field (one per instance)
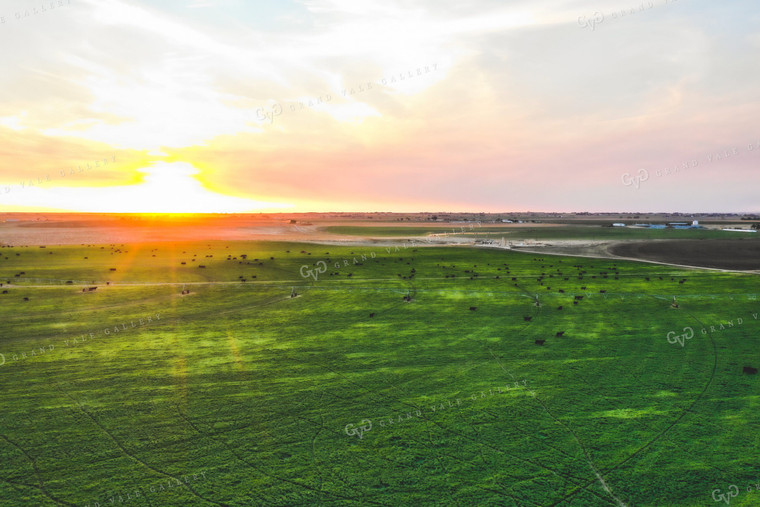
(722, 254)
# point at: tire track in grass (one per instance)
(382, 457)
(503, 489)
(572, 481)
(275, 300)
(670, 426)
(649, 427)
(285, 480)
(542, 443)
(527, 294)
(415, 440)
(321, 425)
(575, 437)
(36, 471)
(546, 445)
(535, 464)
(16, 485)
(314, 453)
(494, 414)
(259, 469)
(131, 456)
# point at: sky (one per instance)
(223, 106)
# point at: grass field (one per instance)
(377, 384)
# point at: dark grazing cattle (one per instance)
(578, 298)
(473, 308)
(750, 370)
(559, 308)
(559, 333)
(540, 342)
(371, 315)
(26, 299)
(527, 319)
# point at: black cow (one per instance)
(750, 370)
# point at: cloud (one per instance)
(526, 107)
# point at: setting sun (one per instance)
(162, 187)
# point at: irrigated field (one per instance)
(546, 232)
(381, 376)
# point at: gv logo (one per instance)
(262, 115)
(681, 338)
(726, 497)
(637, 180)
(365, 427)
(597, 19)
(306, 271)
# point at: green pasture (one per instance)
(377, 384)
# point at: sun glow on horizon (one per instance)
(166, 188)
